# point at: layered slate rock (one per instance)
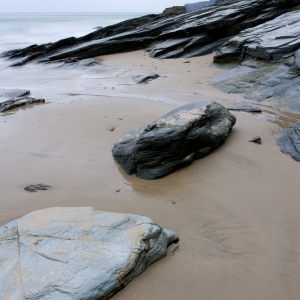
(18, 102)
(175, 140)
(269, 59)
(268, 41)
(288, 140)
(144, 78)
(76, 253)
(185, 35)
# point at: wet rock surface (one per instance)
(37, 187)
(288, 140)
(18, 102)
(269, 62)
(185, 35)
(144, 78)
(245, 108)
(76, 253)
(175, 140)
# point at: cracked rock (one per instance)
(175, 140)
(76, 253)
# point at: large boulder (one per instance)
(76, 253)
(175, 140)
(288, 140)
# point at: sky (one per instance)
(88, 5)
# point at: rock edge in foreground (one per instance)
(175, 140)
(288, 140)
(76, 253)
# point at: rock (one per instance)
(198, 5)
(245, 108)
(74, 62)
(185, 35)
(77, 253)
(268, 41)
(256, 140)
(175, 140)
(35, 187)
(26, 59)
(288, 140)
(6, 94)
(98, 27)
(174, 11)
(13, 103)
(270, 63)
(143, 79)
(111, 129)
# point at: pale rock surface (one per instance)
(76, 253)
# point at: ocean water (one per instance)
(19, 30)
(51, 81)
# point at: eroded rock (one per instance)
(144, 78)
(36, 187)
(76, 253)
(14, 103)
(175, 140)
(288, 140)
(204, 30)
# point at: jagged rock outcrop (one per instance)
(175, 140)
(186, 35)
(13, 103)
(288, 140)
(270, 62)
(268, 41)
(76, 253)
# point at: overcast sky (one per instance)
(88, 5)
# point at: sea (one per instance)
(19, 30)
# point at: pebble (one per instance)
(111, 128)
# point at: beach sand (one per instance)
(236, 211)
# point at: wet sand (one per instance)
(236, 211)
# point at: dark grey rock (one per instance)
(268, 41)
(204, 30)
(174, 11)
(288, 140)
(175, 140)
(256, 140)
(245, 108)
(35, 187)
(98, 27)
(68, 253)
(13, 103)
(143, 79)
(26, 59)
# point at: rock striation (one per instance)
(175, 140)
(14, 103)
(76, 253)
(144, 78)
(269, 58)
(185, 35)
(288, 140)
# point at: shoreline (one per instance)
(236, 210)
